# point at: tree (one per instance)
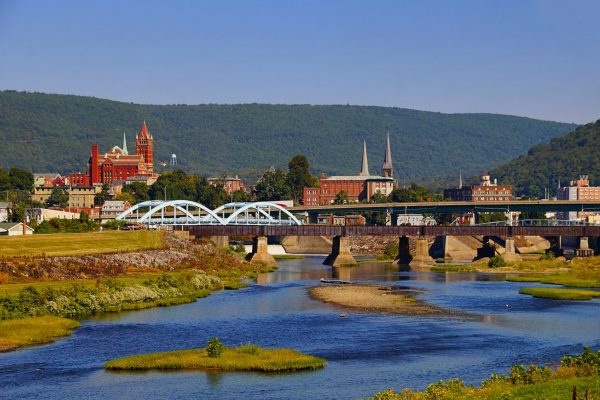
(58, 198)
(124, 196)
(139, 190)
(240, 196)
(103, 196)
(299, 176)
(212, 196)
(21, 178)
(178, 184)
(273, 186)
(379, 197)
(341, 198)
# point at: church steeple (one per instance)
(144, 146)
(124, 144)
(388, 167)
(365, 163)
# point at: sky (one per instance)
(533, 58)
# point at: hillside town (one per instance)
(115, 180)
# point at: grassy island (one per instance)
(247, 357)
(31, 331)
(561, 294)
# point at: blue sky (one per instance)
(533, 58)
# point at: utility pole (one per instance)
(165, 193)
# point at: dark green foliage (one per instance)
(586, 363)
(58, 198)
(341, 198)
(182, 186)
(139, 190)
(215, 348)
(392, 251)
(564, 159)
(103, 196)
(496, 262)
(56, 225)
(273, 186)
(491, 217)
(45, 132)
(114, 225)
(413, 193)
(299, 176)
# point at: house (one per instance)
(112, 208)
(4, 211)
(44, 214)
(14, 229)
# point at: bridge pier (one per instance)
(260, 252)
(422, 259)
(510, 252)
(584, 248)
(404, 251)
(340, 253)
(220, 241)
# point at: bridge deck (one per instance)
(330, 230)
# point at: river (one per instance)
(365, 353)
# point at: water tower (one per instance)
(173, 159)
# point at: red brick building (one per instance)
(230, 185)
(359, 187)
(117, 163)
(485, 191)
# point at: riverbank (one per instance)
(80, 286)
(367, 298)
(247, 357)
(31, 331)
(576, 378)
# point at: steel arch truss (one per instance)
(186, 212)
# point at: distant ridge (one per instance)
(50, 132)
(563, 159)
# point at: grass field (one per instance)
(77, 244)
(561, 294)
(244, 358)
(30, 331)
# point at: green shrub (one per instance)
(249, 348)
(215, 348)
(496, 262)
(549, 255)
(391, 251)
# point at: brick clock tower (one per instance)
(143, 146)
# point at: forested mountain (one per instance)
(46, 132)
(564, 159)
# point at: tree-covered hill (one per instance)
(46, 132)
(564, 159)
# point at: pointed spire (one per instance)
(144, 134)
(388, 167)
(365, 163)
(124, 144)
(460, 179)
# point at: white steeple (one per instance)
(124, 144)
(365, 163)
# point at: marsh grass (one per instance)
(76, 244)
(30, 331)
(288, 257)
(577, 377)
(454, 268)
(248, 357)
(561, 294)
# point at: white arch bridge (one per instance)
(186, 212)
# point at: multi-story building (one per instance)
(79, 197)
(117, 163)
(112, 208)
(357, 188)
(577, 190)
(485, 191)
(230, 184)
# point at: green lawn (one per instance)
(77, 244)
(30, 331)
(244, 358)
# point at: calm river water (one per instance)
(366, 353)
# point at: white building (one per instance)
(4, 211)
(14, 229)
(44, 214)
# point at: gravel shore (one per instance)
(369, 298)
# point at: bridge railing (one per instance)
(537, 222)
